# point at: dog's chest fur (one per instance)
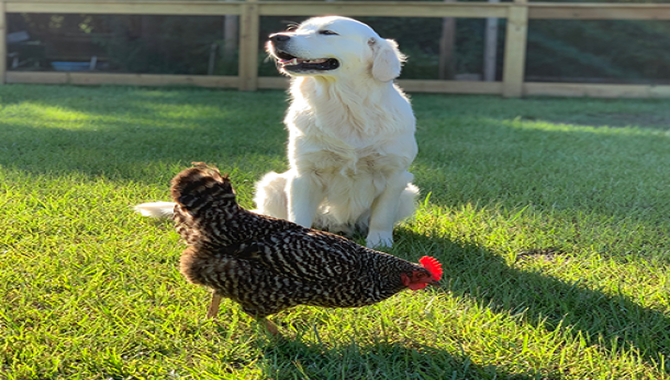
(341, 150)
(350, 161)
(331, 134)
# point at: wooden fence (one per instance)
(517, 14)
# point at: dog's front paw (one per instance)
(379, 239)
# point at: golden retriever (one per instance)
(350, 132)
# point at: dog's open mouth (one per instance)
(292, 63)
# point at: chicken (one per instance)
(267, 264)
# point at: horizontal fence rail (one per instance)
(517, 13)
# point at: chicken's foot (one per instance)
(214, 306)
(270, 326)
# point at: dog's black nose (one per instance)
(278, 37)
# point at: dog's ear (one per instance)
(386, 59)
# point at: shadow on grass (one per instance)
(610, 321)
(292, 359)
(604, 190)
(512, 162)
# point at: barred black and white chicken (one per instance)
(267, 264)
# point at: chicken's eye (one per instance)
(327, 32)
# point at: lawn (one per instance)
(551, 218)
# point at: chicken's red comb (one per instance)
(433, 266)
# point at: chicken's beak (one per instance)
(435, 283)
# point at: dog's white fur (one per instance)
(351, 135)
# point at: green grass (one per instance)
(551, 217)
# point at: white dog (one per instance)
(351, 132)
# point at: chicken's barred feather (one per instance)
(268, 264)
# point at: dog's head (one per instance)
(335, 46)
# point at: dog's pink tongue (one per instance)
(290, 62)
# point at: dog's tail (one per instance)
(158, 210)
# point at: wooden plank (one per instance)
(249, 36)
(124, 7)
(32, 77)
(599, 11)
(450, 86)
(153, 80)
(596, 90)
(80, 78)
(411, 85)
(351, 8)
(3, 43)
(273, 83)
(297, 8)
(515, 51)
(661, 91)
(384, 9)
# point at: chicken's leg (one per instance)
(270, 326)
(214, 305)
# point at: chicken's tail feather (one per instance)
(156, 210)
(202, 187)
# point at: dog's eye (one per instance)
(328, 33)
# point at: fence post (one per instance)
(515, 49)
(248, 61)
(3, 43)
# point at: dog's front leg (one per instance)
(304, 197)
(384, 211)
